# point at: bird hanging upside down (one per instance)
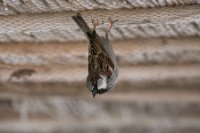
(102, 64)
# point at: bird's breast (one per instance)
(102, 82)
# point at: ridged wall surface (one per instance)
(157, 44)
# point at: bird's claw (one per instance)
(111, 22)
(95, 23)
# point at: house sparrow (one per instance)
(102, 64)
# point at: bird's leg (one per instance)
(95, 23)
(111, 22)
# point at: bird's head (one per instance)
(98, 87)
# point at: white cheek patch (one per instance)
(102, 83)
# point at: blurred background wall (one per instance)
(43, 67)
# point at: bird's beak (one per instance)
(94, 92)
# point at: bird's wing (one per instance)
(99, 62)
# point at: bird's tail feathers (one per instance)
(81, 23)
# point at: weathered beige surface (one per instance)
(173, 21)
(162, 112)
(10, 7)
(129, 52)
(43, 67)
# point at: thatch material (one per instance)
(180, 21)
(43, 67)
(42, 6)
